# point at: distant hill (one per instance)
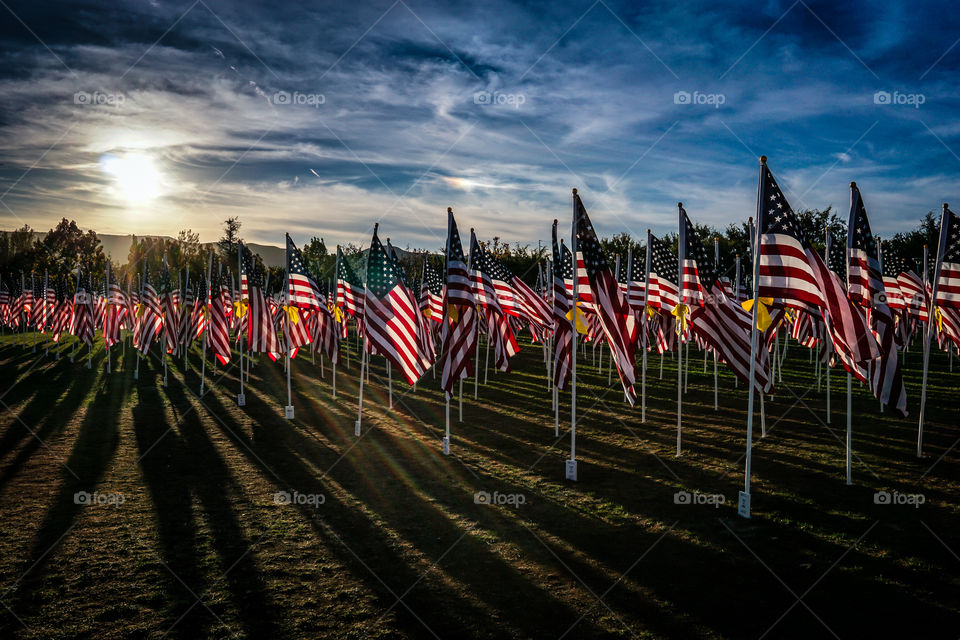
(117, 248)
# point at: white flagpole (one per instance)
(736, 293)
(92, 319)
(206, 324)
(826, 330)
(33, 286)
(849, 443)
(288, 411)
(743, 505)
(241, 398)
(186, 320)
(644, 321)
(930, 322)
(46, 283)
(364, 358)
(106, 312)
(681, 254)
(571, 467)
(716, 268)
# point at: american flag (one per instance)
(613, 310)
(725, 327)
(663, 293)
(948, 257)
(50, 302)
(424, 336)
(392, 320)
(4, 303)
(562, 304)
(431, 292)
(632, 283)
(63, 311)
(699, 272)
(301, 288)
(864, 278)
(197, 321)
(865, 287)
(892, 266)
(151, 315)
(491, 293)
(917, 299)
(325, 334)
(349, 287)
(218, 333)
(787, 272)
(261, 332)
(82, 325)
(460, 328)
(116, 308)
(171, 316)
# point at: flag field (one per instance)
(134, 510)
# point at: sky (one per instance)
(319, 119)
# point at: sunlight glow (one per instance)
(136, 178)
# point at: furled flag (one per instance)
(865, 287)
(562, 311)
(261, 332)
(460, 326)
(490, 296)
(613, 310)
(349, 287)
(218, 335)
(391, 316)
(150, 322)
(431, 292)
(83, 312)
(787, 273)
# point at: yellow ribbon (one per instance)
(682, 313)
(240, 308)
(292, 314)
(580, 324)
(452, 312)
(139, 309)
(763, 312)
(651, 312)
(337, 314)
(939, 317)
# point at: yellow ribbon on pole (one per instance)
(240, 308)
(763, 312)
(337, 313)
(682, 313)
(292, 314)
(452, 312)
(651, 312)
(939, 317)
(580, 325)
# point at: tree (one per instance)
(227, 244)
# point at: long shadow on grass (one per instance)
(179, 464)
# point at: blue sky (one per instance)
(320, 119)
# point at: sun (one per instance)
(135, 176)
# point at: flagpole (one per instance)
(136, 371)
(826, 337)
(106, 312)
(206, 325)
(571, 467)
(288, 410)
(241, 397)
(743, 505)
(681, 254)
(185, 320)
(930, 321)
(646, 334)
(716, 269)
(849, 441)
(46, 283)
(92, 311)
(33, 285)
(364, 358)
(73, 343)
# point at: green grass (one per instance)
(609, 556)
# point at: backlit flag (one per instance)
(663, 293)
(391, 316)
(349, 287)
(219, 332)
(431, 292)
(865, 287)
(491, 293)
(261, 331)
(787, 273)
(460, 326)
(150, 322)
(613, 310)
(171, 319)
(562, 306)
(698, 268)
(302, 289)
(948, 256)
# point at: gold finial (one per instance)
(763, 159)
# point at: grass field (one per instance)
(186, 539)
